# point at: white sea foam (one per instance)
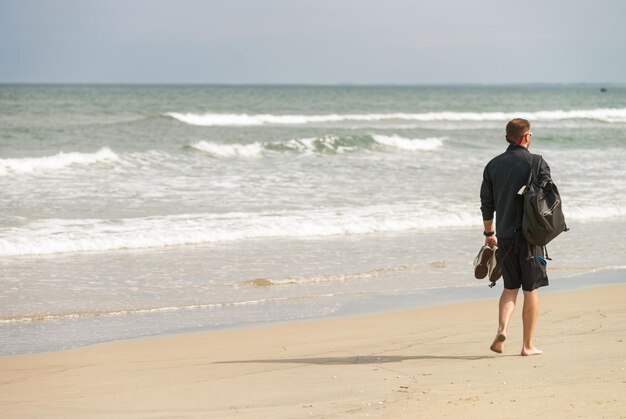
(592, 212)
(224, 119)
(415, 144)
(229, 150)
(49, 236)
(308, 145)
(327, 143)
(56, 162)
(324, 144)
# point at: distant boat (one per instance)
(603, 89)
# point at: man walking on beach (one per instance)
(503, 177)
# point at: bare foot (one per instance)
(531, 351)
(498, 343)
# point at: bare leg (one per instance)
(506, 307)
(529, 317)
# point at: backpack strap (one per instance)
(535, 167)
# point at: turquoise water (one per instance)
(138, 210)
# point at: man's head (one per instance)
(518, 132)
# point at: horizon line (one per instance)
(304, 84)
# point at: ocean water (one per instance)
(129, 211)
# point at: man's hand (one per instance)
(491, 241)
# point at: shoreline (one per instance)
(383, 304)
(430, 362)
(463, 294)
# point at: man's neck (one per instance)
(513, 146)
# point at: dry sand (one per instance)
(429, 362)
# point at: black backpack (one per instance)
(543, 218)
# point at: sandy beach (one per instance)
(427, 362)
(271, 210)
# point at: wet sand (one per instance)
(428, 362)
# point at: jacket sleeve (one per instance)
(487, 204)
(544, 172)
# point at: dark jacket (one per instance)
(503, 177)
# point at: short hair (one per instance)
(516, 128)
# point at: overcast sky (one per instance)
(313, 41)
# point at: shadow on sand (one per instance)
(354, 360)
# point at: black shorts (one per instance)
(520, 265)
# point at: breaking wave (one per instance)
(325, 144)
(58, 161)
(65, 161)
(48, 236)
(411, 144)
(229, 150)
(226, 119)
